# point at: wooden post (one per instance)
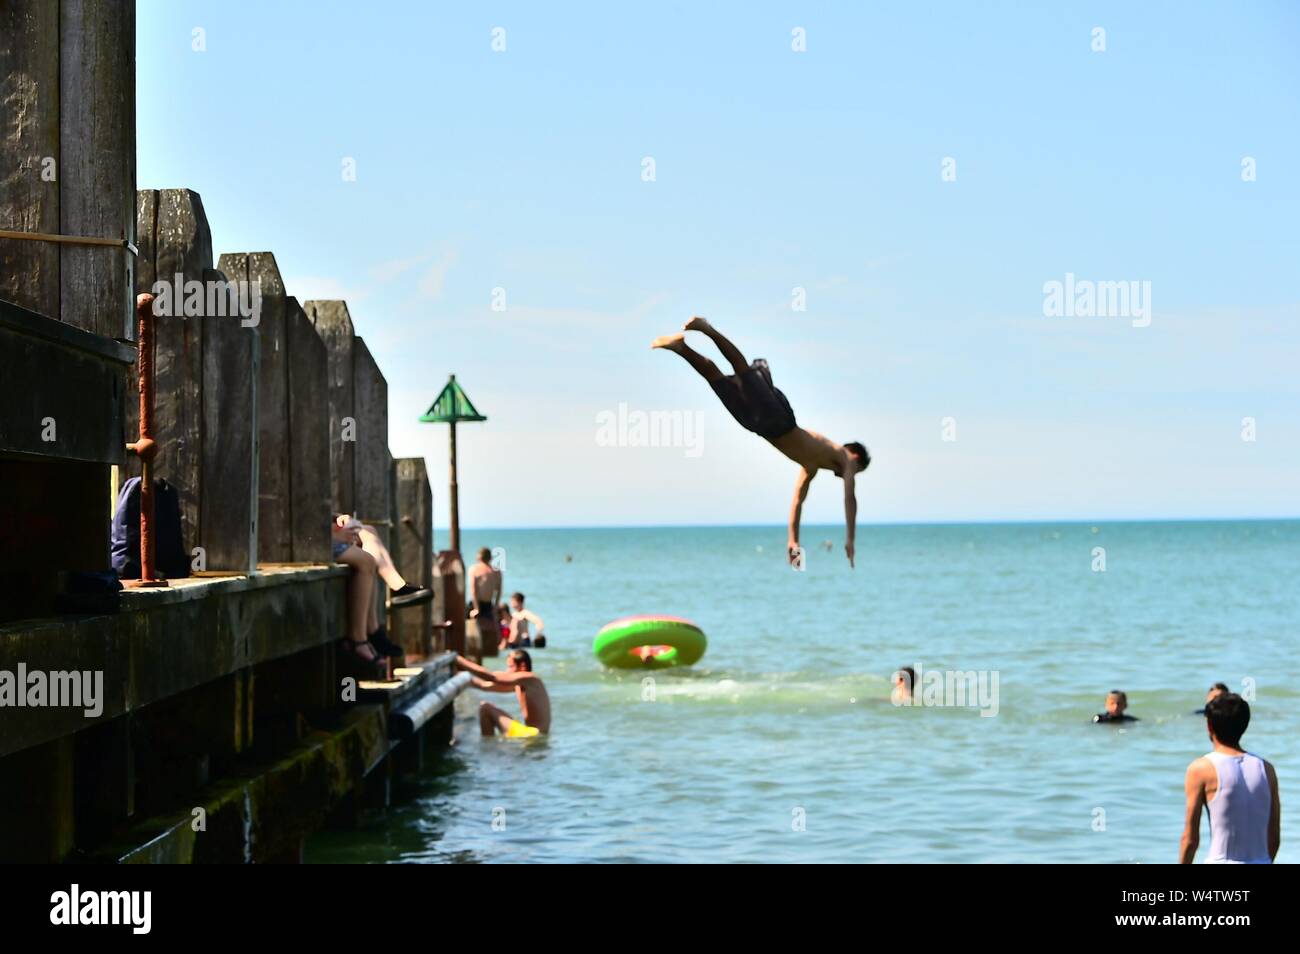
(370, 463)
(413, 551)
(175, 240)
(309, 438)
(97, 162)
(455, 496)
(231, 359)
(274, 481)
(449, 583)
(334, 325)
(67, 159)
(29, 152)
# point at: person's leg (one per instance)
(371, 543)
(492, 719)
(677, 343)
(361, 592)
(729, 350)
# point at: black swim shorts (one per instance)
(754, 402)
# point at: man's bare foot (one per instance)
(673, 342)
(697, 324)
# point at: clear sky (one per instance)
(524, 170)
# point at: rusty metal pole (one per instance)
(145, 448)
(455, 496)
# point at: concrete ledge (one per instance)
(169, 641)
(202, 587)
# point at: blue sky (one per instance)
(775, 169)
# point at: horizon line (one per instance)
(888, 523)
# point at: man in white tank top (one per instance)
(1237, 789)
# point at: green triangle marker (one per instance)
(451, 407)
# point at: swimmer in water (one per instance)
(904, 686)
(1116, 703)
(519, 678)
(1216, 690)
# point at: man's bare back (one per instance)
(485, 583)
(813, 451)
(534, 702)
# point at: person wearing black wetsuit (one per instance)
(1116, 703)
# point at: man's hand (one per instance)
(340, 534)
(848, 548)
(793, 552)
(473, 667)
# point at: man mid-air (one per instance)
(760, 407)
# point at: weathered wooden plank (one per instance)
(309, 437)
(370, 408)
(228, 512)
(146, 225)
(334, 325)
(413, 550)
(175, 248)
(274, 480)
(29, 152)
(63, 394)
(97, 162)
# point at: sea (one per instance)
(782, 744)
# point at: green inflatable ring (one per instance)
(649, 642)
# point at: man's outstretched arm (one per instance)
(850, 516)
(796, 511)
(501, 681)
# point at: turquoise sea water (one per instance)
(787, 718)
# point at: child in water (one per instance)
(1116, 703)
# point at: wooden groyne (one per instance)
(224, 727)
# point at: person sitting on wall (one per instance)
(519, 678)
(401, 593)
(362, 619)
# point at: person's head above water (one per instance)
(1216, 690)
(517, 601)
(485, 555)
(1226, 719)
(905, 680)
(1116, 702)
(519, 661)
